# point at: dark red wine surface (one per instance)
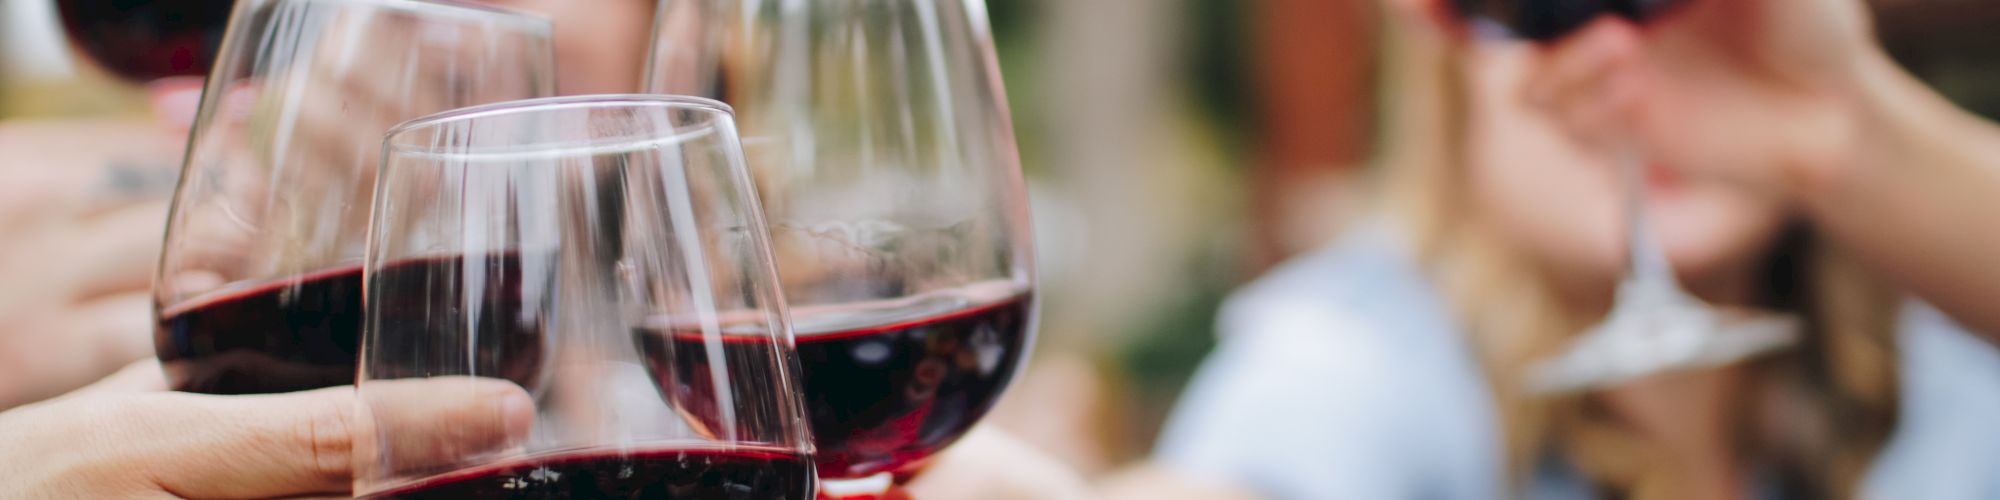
(304, 333)
(693, 474)
(295, 334)
(881, 397)
(142, 40)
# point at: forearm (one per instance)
(1918, 196)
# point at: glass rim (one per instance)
(457, 8)
(557, 104)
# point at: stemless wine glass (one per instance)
(604, 257)
(259, 286)
(879, 135)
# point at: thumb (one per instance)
(303, 443)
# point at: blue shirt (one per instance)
(1343, 375)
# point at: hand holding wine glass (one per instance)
(1775, 86)
(259, 279)
(1794, 98)
(605, 254)
(126, 438)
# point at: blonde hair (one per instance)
(1835, 395)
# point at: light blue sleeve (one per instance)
(1296, 403)
(1947, 440)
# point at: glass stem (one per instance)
(1647, 272)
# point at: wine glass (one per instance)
(1655, 326)
(603, 257)
(878, 133)
(145, 40)
(259, 285)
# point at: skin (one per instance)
(81, 203)
(81, 208)
(1746, 113)
(1796, 112)
(125, 437)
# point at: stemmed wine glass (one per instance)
(602, 257)
(145, 40)
(879, 136)
(259, 285)
(1655, 326)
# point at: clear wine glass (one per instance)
(879, 136)
(1655, 326)
(603, 257)
(259, 285)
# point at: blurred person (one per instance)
(1795, 169)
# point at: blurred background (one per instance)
(1175, 149)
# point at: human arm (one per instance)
(1796, 98)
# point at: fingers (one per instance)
(116, 252)
(64, 260)
(140, 376)
(305, 443)
(119, 328)
(1589, 81)
(419, 424)
(44, 352)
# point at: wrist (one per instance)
(1879, 114)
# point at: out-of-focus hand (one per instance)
(990, 465)
(1760, 92)
(82, 206)
(122, 439)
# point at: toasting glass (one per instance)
(144, 40)
(878, 133)
(259, 286)
(1655, 326)
(603, 257)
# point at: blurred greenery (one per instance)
(1014, 39)
(1217, 68)
(1160, 350)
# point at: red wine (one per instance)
(290, 335)
(144, 40)
(304, 333)
(885, 387)
(692, 474)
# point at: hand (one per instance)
(82, 205)
(120, 439)
(990, 465)
(1764, 93)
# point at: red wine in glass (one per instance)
(685, 474)
(304, 333)
(145, 40)
(291, 335)
(886, 385)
